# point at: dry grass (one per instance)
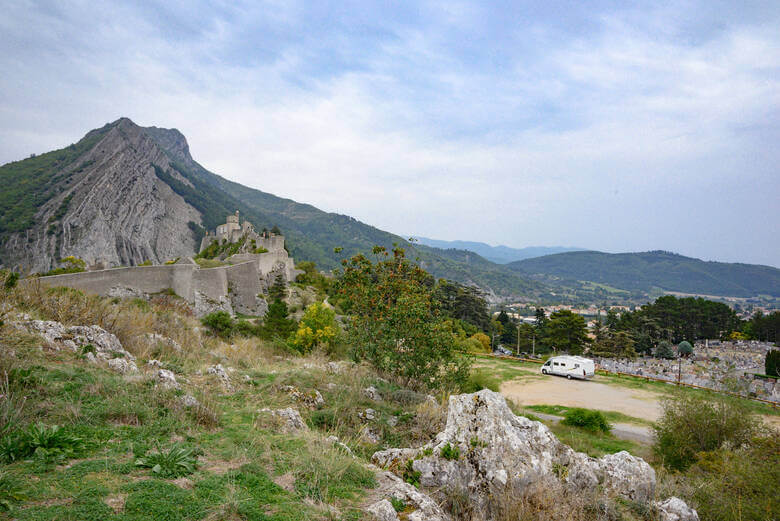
(550, 500)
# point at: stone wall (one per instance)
(141, 279)
(237, 287)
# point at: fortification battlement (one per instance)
(233, 231)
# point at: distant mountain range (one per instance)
(655, 271)
(126, 194)
(498, 254)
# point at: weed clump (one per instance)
(593, 421)
(691, 424)
(177, 461)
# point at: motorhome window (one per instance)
(576, 366)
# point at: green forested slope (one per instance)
(656, 270)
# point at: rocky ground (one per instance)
(115, 411)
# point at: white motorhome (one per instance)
(570, 367)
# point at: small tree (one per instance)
(664, 350)
(395, 324)
(772, 363)
(276, 323)
(684, 348)
(279, 288)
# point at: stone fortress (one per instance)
(238, 286)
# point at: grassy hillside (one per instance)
(656, 270)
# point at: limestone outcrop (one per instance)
(104, 345)
(485, 451)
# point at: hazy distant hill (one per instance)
(498, 254)
(656, 269)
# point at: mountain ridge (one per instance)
(499, 254)
(669, 271)
(125, 194)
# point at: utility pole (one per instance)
(533, 344)
(518, 339)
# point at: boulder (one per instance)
(122, 365)
(372, 393)
(189, 401)
(154, 339)
(220, 373)
(106, 345)
(290, 419)
(422, 506)
(383, 511)
(167, 379)
(311, 399)
(486, 451)
(675, 509)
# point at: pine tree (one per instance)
(279, 288)
(276, 322)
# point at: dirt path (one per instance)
(554, 390)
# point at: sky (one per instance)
(612, 125)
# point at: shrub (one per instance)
(398, 504)
(695, 423)
(684, 348)
(395, 324)
(177, 461)
(772, 363)
(317, 327)
(732, 485)
(484, 341)
(220, 322)
(594, 421)
(664, 350)
(70, 264)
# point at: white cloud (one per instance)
(622, 139)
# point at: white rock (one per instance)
(122, 366)
(675, 509)
(220, 372)
(499, 450)
(423, 506)
(367, 415)
(167, 379)
(372, 394)
(392, 421)
(189, 401)
(370, 435)
(154, 363)
(383, 511)
(156, 338)
(290, 418)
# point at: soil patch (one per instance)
(554, 390)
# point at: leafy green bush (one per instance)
(398, 504)
(664, 350)
(410, 475)
(772, 363)
(220, 322)
(395, 324)
(594, 421)
(177, 461)
(684, 348)
(450, 452)
(317, 327)
(695, 423)
(47, 443)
